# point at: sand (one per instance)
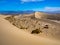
(11, 35)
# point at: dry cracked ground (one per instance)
(40, 27)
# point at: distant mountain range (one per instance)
(16, 12)
(53, 12)
(26, 12)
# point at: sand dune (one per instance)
(3, 16)
(31, 25)
(41, 15)
(11, 35)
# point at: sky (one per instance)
(23, 5)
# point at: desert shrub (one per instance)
(11, 18)
(46, 26)
(37, 31)
(23, 28)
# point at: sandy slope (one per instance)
(3, 16)
(10, 35)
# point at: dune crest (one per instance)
(40, 15)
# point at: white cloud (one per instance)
(47, 9)
(52, 8)
(31, 1)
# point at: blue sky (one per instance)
(36, 5)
